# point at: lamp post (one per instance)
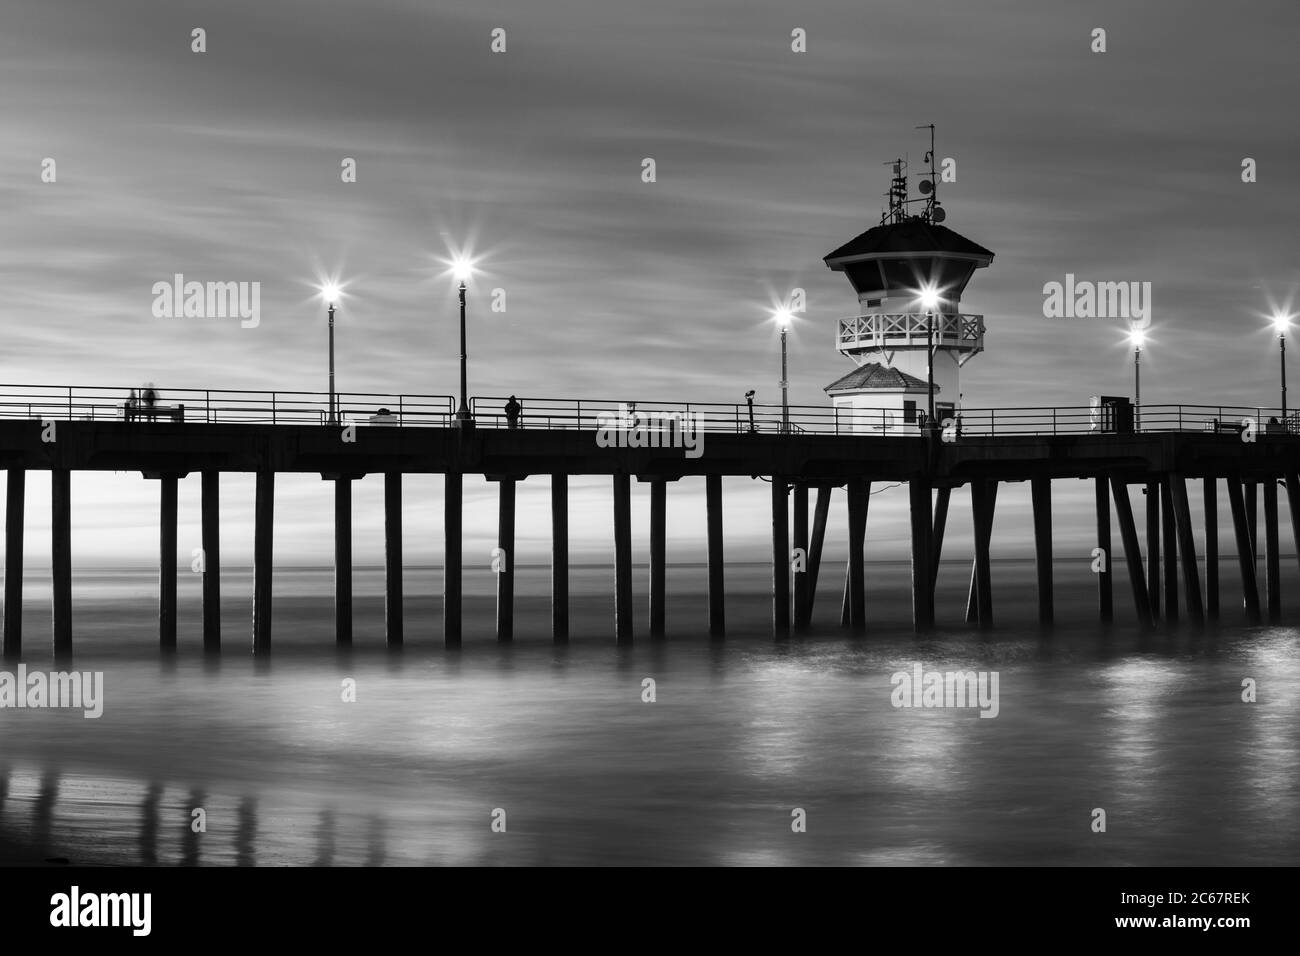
(929, 301)
(1138, 337)
(462, 270)
(1282, 322)
(330, 293)
(784, 317)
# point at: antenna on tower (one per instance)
(897, 193)
(932, 212)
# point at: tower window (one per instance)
(909, 412)
(873, 303)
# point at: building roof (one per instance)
(909, 236)
(874, 375)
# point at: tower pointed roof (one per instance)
(913, 235)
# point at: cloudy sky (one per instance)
(225, 165)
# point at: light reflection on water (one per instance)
(1153, 731)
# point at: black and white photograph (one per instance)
(708, 434)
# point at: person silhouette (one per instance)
(513, 408)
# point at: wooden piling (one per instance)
(1170, 544)
(1105, 583)
(972, 599)
(859, 498)
(658, 556)
(167, 563)
(1132, 553)
(941, 501)
(1041, 496)
(820, 511)
(780, 559)
(343, 561)
(922, 516)
(1246, 562)
(1252, 519)
(623, 559)
(263, 527)
(1272, 559)
(559, 558)
(1293, 506)
(210, 539)
(800, 544)
(1153, 548)
(453, 486)
(61, 560)
(503, 561)
(393, 616)
(717, 598)
(972, 593)
(1210, 497)
(844, 600)
(982, 503)
(1187, 548)
(15, 505)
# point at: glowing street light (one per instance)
(1137, 338)
(929, 298)
(331, 292)
(462, 270)
(784, 317)
(1282, 322)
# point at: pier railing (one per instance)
(590, 414)
(220, 406)
(1225, 419)
(211, 406)
(831, 420)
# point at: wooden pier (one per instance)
(799, 464)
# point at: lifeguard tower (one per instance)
(910, 338)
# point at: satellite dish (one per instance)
(926, 187)
(939, 214)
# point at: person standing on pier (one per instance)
(513, 408)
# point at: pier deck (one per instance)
(67, 431)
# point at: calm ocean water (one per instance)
(1152, 730)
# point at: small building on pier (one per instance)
(875, 399)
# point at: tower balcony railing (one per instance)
(902, 330)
